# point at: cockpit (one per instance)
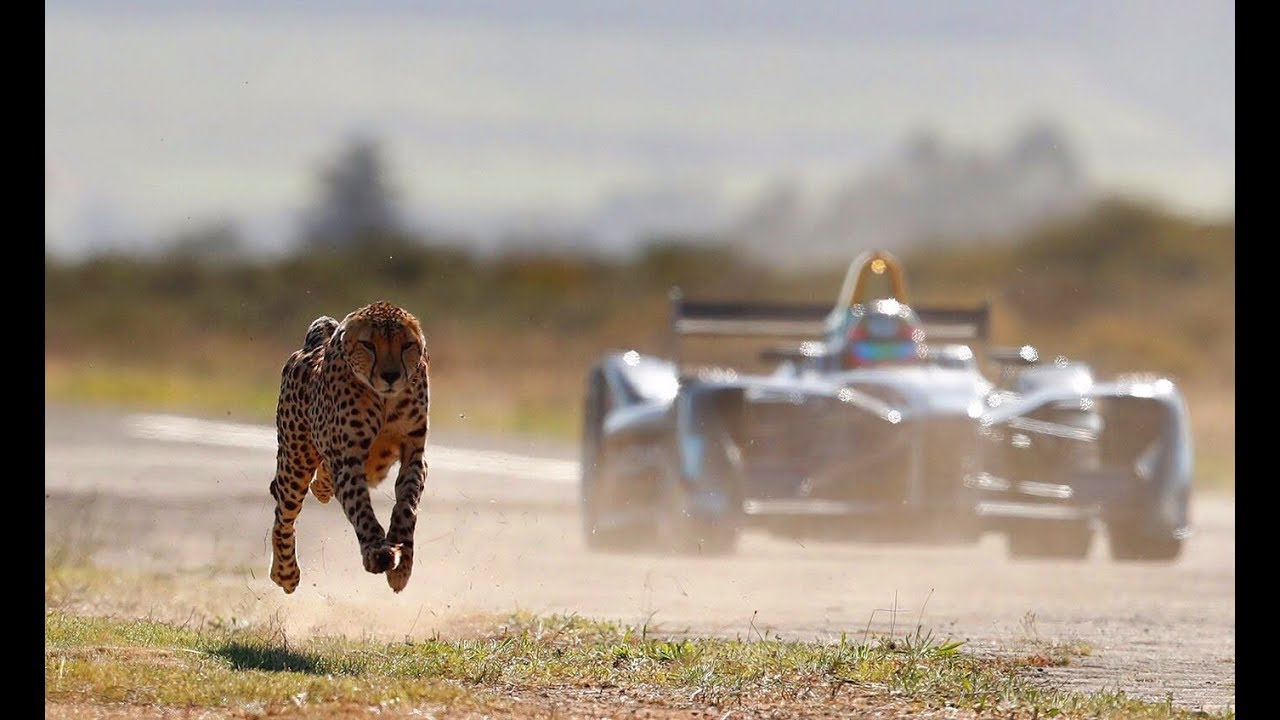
(883, 332)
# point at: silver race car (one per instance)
(877, 421)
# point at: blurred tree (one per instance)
(216, 242)
(356, 204)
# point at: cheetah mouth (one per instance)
(383, 387)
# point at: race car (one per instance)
(877, 422)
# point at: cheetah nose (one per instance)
(390, 376)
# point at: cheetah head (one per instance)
(384, 347)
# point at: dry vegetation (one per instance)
(1126, 286)
(100, 664)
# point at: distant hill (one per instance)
(928, 193)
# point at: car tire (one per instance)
(593, 463)
(682, 531)
(598, 538)
(1129, 544)
(1057, 540)
(1131, 540)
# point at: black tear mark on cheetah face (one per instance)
(384, 348)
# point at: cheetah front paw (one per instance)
(286, 577)
(398, 576)
(381, 558)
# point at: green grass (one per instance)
(246, 398)
(162, 388)
(111, 660)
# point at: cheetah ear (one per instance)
(424, 362)
(423, 356)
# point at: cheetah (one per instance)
(353, 401)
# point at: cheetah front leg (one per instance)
(404, 516)
(353, 491)
(289, 488)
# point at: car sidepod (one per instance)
(1059, 464)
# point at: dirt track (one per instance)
(491, 543)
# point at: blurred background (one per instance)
(529, 179)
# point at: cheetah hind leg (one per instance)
(322, 484)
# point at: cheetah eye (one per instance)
(406, 346)
(368, 346)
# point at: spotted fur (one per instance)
(353, 401)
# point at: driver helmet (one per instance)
(883, 332)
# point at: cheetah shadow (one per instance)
(245, 656)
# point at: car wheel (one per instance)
(1131, 539)
(598, 536)
(683, 531)
(1128, 543)
(594, 463)
(1059, 540)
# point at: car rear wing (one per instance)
(746, 319)
(960, 325)
(807, 321)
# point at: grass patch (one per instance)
(168, 388)
(469, 401)
(105, 660)
(1046, 652)
(109, 660)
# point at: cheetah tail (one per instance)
(322, 328)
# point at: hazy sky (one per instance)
(158, 117)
